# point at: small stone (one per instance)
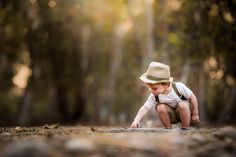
(26, 149)
(198, 138)
(80, 145)
(19, 129)
(226, 132)
(229, 132)
(6, 134)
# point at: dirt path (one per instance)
(70, 141)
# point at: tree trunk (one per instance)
(62, 102)
(78, 113)
(226, 114)
(147, 57)
(164, 52)
(84, 49)
(115, 62)
(201, 90)
(185, 73)
(22, 113)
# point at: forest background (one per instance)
(79, 61)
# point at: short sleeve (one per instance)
(151, 101)
(184, 90)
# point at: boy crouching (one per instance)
(173, 101)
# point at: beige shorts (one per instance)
(174, 114)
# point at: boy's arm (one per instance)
(141, 113)
(195, 116)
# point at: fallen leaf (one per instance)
(53, 126)
(19, 129)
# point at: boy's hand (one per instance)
(195, 119)
(135, 124)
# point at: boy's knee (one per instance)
(161, 108)
(183, 106)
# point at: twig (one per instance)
(120, 130)
(2, 130)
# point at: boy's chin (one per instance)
(156, 93)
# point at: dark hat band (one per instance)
(156, 79)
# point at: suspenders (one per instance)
(176, 91)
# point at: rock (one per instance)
(80, 145)
(26, 149)
(198, 138)
(19, 129)
(214, 150)
(53, 126)
(228, 131)
(141, 145)
(6, 134)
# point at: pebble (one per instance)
(228, 131)
(26, 149)
(80, 145)
(198, 138)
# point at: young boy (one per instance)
(173, 102)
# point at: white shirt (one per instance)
(171, 98)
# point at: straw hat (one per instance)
(157, 73)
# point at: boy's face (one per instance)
(157, 88)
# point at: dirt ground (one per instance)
(71, 141)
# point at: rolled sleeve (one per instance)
(184, 90)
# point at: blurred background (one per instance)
(79, 61)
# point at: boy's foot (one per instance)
(184, 129)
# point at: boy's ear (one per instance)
(167, 84)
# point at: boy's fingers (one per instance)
(138, 125)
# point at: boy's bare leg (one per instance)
(163, 115)
(184, 112)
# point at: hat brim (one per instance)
(146, 80)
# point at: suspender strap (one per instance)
(177, 91)
(157, 98)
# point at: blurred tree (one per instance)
(53, 46)
(209, 29)
(69, 60)
(12, 33)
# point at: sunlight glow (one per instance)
(125, 27)
(52, 3)
(22, 75)
(211, 66)
(230, 80)
(174, 4)
(216, 74)
(228, 17)
(212, 62)
(137, 8)
(150, 1)
(33, 1)
(219, 74)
